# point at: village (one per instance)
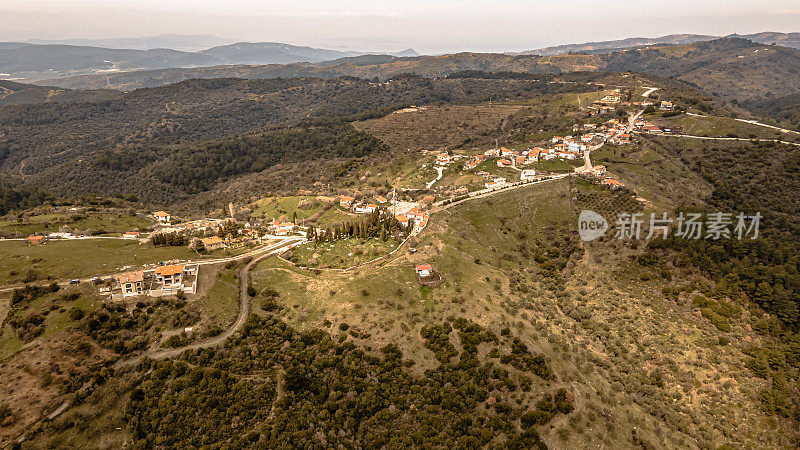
(406, 212)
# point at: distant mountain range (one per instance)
(28, 62)
(731, 68)
(183, 42)
(783, 39)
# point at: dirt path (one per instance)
(241, 318)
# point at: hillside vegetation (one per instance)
(165, 144)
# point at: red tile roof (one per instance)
(169, 270)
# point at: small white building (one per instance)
(162, 217)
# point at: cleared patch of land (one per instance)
(60, 259)
(100, 223)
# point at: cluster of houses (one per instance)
(414, 213)
(611, 101)
(612, 131)
(155, 282)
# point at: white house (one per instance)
(162, 217)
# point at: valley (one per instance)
(392, 252)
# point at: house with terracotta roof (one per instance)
(131, 283)
(402, 218)
(443, 159)
(162, 217)
(346, 202)
(281, 228)
(613, 183)
(36, 240)
(170, 275)
(424, 270)
(212, 243)
(504, 163)
(380, 199)
(131, 235)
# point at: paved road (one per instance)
(711, 138)
(201, 262)
(440, 206)
(755, 122)
(440, 171)
(649, 91)
(241, 318)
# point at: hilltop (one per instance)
(731, 68)
(31, 62)
(768, 38)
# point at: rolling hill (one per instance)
(33, 62)
(168, 143)
(783, 39)
(730, 68)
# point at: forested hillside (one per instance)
(12, 93)
(732, 69)
(165, 143)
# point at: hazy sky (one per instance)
(428, 26)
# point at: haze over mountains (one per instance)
(30, 62)
(183, 42)
(783, 39)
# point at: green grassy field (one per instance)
(583, 99)
(490, 166)
(80, 258)
(418, 178)
(334, 214)
(275, 207)
(109, 222)
(557, 165)
(342, 253)
(221, 302)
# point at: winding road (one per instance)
(241, 318)
(440, 171)
(200, 262)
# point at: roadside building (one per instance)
(362, 208)
(36, 240)
(614, 184)
(131, 235)
(131, 283)
(162, 217)
(527, 174)
(170, 275)
(213, 243)
(281, 228)
(346, 202)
